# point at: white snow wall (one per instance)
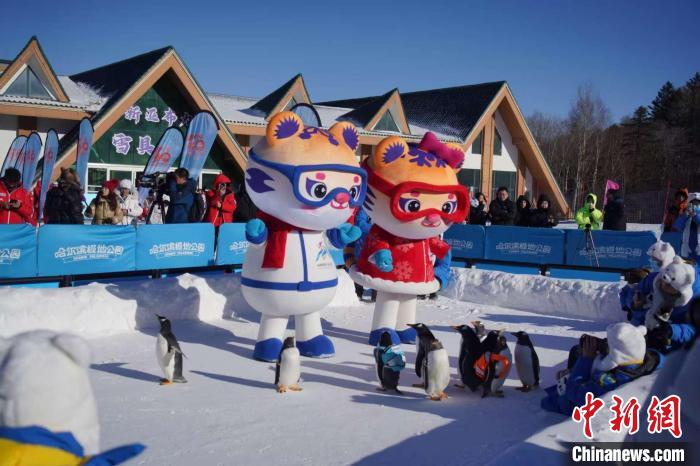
(100, 309)
(579, 299)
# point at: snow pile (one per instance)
(100, 309)
(562, 298)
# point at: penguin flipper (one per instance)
(536, 366)
(419, 360)
(277, 372)
(177, 373)
(380, 366)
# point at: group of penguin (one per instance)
(484, 361)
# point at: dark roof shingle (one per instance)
(362, 114)
(270, 101)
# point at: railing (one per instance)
(68, 253)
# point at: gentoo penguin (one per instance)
(480, 329)
(425, 339)
(437, 371)
(288, 368)
(389, 360)
(169, 354)
(494, 365)
(469, 352)
(526, 361)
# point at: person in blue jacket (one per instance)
(181, 190)
(688, 223)
(603, 366)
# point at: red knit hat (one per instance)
(111, 185)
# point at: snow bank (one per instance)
(100, 309)
(563, 298)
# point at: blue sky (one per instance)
(544, 49)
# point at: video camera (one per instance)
(154, 180)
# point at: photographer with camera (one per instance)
(687, 223)
(180, 188)
(221, 202)
(16, 204)
(602, 366)
(588, 216)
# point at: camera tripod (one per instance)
(587, 244)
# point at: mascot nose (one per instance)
(433, 218)
(342, 198)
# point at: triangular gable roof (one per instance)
(127, 81)
(369, 113)
(33, 50)
(450, 111)
(274, 102)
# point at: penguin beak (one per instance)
(412, 325)
(456, 327)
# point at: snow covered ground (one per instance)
(229, 412)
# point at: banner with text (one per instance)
(532, 245)
(29, 159)
(13, 154)
(200, 137)
(17, 251)
(619, 249)
(50, 151)
(83, 152)
(174, 245)
(232, 244)
(467, 241)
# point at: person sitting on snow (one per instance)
(687, 223)
(603, 366)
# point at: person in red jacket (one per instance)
(221, 203)
(16, 205)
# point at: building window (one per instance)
(208, 179)
(506, 179)
(478, 144)
(121, 175)
(470, 178)
(96, 176)
(387, 123)
(28, 85)
(497, 143)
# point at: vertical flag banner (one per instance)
(610, 184)
(166, 152)
(50, 151)
(200, 138)
(84, 146)
(13, 154)
(30, 157)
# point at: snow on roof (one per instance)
(236, 109)
(82, 94)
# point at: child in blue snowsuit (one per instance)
(688, 223)
(627, 359)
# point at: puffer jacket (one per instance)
(522, 215)
(217, 215)
(133, 209)
(543, 218)
(64, 204)
(675, 210)
(102, 212)
(586, 216)
(614, 214)
(25, 212)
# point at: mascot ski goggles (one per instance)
(321, 184)
(412, 200)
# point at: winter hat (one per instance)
(125, 184)
(626, 345)
(680, 276)
(111, 185)
(662, 253)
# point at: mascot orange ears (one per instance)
(346, 132)
(389, 150)
(283, 126)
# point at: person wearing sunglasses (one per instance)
(413, 196)
(306, 183)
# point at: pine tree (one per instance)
(665, 106)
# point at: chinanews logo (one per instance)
(177, 249)
(86, 252)
(8, 256)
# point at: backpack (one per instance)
(198, 208)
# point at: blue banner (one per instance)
(232, 244)
(17, 251)
(50, 151)
(517, 244)
(83, 150)
(174, 245)
(200, 137)
(619, 249)
(81, 249)
(30, 157)
(467, 241)
(166, 152)
(13, 154)
(675, 239)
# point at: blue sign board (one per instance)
(620, 249)
(174, 245)
(85, 249)
(675, 239)
(232, 244)
(467, 241)
(532, 245)
(17, 251)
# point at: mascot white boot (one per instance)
(48, 414)
(413, 196)
(307, 184)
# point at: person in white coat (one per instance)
(129, 203)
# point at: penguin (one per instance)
(437, 371)
(388, 376)
(169, 354)
(480, 329)
(425, 339)
(469, 352)
(495, 364)
(288, 367)
(527, 362)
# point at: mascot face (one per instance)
(305, 176)
(413, 190)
